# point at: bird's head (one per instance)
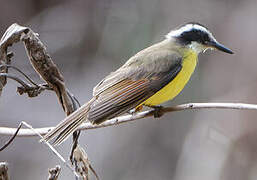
(196, 37)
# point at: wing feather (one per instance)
(138, 79)
(133, 89)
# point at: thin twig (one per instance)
(15, 78)
(74, 100)
(32, 91)
(20, 71)
(52, 148)
(140, 115)
(11, 139)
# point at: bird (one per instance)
(149, 78)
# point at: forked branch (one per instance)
(43, 64)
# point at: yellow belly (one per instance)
(172, 89)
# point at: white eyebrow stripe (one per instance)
(201, 28)
(178, 32)
(186, 28)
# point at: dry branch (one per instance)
(42, 64)
(39, 58)
(11, 35)
(141, 115)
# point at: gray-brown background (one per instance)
(88, 39)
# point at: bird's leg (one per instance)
(157, 110)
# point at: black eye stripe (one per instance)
(194, 35)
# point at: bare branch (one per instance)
(6, 75)
(141, 115)
(4, 171)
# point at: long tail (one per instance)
(70, 124)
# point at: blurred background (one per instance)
(88, 39)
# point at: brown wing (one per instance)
(140, 82)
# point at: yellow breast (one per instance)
(172, 89)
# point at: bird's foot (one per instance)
(157, 111)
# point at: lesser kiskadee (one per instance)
(151, 77)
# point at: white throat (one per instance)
(197, 47)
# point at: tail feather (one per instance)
(70, 124)
(67, 132)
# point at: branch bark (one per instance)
(141, 115)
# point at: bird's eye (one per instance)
(206, 38)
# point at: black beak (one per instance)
(220, 47)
